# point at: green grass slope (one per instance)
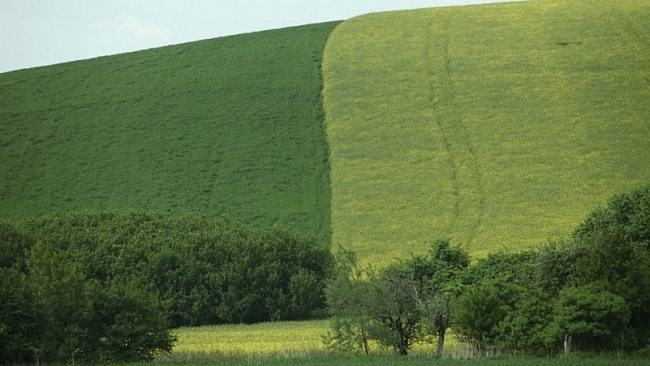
(497, 126)
(228, 126)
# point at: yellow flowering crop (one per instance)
(300, 339)
(497, 126)
(282, 339)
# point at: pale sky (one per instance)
(44, 32)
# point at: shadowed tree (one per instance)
(392, 306)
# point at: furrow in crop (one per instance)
(469, 205)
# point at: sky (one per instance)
(44, 32)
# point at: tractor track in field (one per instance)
(468, 190)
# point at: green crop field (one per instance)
(229, 126)
(498, 126)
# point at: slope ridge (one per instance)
(497, 126)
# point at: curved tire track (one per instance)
(469, 205)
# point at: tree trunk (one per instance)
(402, 345)
(364, 333)
(441, 342)
(402, 341)
(567, 343)
(365, 345)
(403, 351)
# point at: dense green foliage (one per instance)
(496, 125)
(627, 212)
(53, 309)
(98, 286)
(617, 238)
(228, 126)
(590, 293)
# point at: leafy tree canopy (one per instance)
(107, 286)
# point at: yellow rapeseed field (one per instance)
(497, 126)
(282, 339)
(300, 339)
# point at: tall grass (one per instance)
(497, 126)
(228, 126)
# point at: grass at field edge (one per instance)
(324, 359)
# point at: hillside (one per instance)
(228, 126)
(498, 126)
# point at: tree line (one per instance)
(109, 286)
(589, 292)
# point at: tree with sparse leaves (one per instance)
(397, 305)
